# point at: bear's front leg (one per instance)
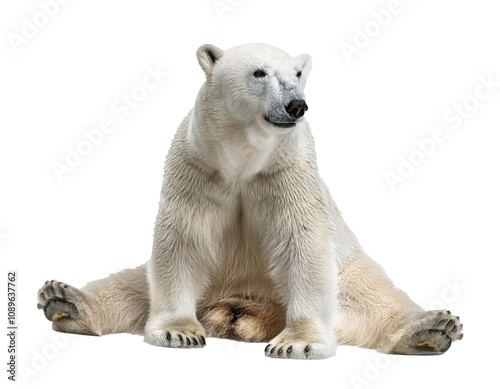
(303, 273)
(295, 239)
(194, 213)
(176, 278)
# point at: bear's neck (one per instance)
(239, 152)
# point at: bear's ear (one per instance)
(208, 55)
(305, 62)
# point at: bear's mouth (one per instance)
(280, 125)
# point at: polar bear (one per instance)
(248, 243)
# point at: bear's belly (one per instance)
(242, 271)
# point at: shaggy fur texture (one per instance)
(248, 242)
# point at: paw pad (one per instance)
(58, 301)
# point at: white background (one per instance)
(439, 227)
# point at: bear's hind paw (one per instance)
(58, 301)
(431, 334)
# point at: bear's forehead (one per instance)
(259, 51)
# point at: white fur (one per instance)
(245, 220)
(228, 136)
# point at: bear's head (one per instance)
(255, 84)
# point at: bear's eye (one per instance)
(259, 73)
(299, 74)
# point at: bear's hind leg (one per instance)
(118, 303)
(373, 313)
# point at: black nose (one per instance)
(296, 108)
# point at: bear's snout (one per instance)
(296, 108)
